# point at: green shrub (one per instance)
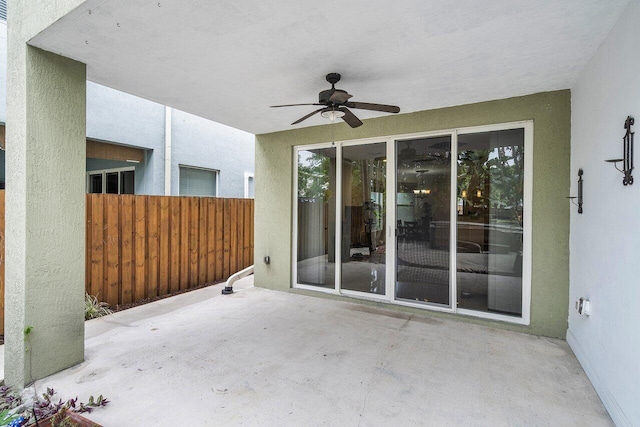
(94, 308)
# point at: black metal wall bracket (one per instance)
(627, 153)
(579, 204)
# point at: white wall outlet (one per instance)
(583, 306)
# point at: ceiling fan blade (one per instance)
(308, 115)
(373, 107)
(339, 96)
(350, 118)
(291, 105)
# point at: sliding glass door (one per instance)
(452, 233)
(423, 216)
(364, 181)
(490, 221)
(316, 207)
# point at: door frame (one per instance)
(391, 238)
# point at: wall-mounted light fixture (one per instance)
(579, 204)
(627, 153)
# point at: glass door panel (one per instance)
(364, 174)
(490, 221)
(316, 217)
(423, 209)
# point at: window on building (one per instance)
(198, 181)
(111, 181)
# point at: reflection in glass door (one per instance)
(316, 217)
(423, 208)
(364, 174)
(490, 208)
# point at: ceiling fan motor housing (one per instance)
(323, 97)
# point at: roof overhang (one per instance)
(229, 61)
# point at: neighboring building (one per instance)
(136, 146)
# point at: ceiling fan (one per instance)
(335, 104)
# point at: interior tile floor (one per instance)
(261, 357)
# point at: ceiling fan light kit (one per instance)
(335, 104)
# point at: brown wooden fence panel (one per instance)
(139, 247)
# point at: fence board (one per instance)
(202, 242)
(226, 248)
(127, 255)
(211, 240)
(193, 241)
(97, 246)
(184, 242)
(142, 246)
(174, 242)
(112, 240)
(153, 247)
(236, 232)
(164, 272)
(87, 240)
(219, 239)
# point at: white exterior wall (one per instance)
(118, 117)
(205, 144)
(605, 242)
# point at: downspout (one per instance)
(228, 289)
(167, 151)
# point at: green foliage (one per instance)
(501, 171)
(7, 416)
(313, 176)
(94, 308)
(12, 408)
(61, 419)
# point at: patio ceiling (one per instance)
(229, 61)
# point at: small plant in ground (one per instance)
(14, 413)
(9, 402)
(94, 308)
(47, 406)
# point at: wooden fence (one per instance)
(141, 247)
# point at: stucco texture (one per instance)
(45, 161)
(550, 113)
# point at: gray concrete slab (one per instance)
(261, 357)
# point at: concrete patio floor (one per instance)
(260, 357)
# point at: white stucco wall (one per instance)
(3, 71)
(122, 118)
(202, 143)
(604, 244)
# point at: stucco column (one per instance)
(45, 212)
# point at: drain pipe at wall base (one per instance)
(228, 289)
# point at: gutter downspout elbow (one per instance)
(228, 289)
